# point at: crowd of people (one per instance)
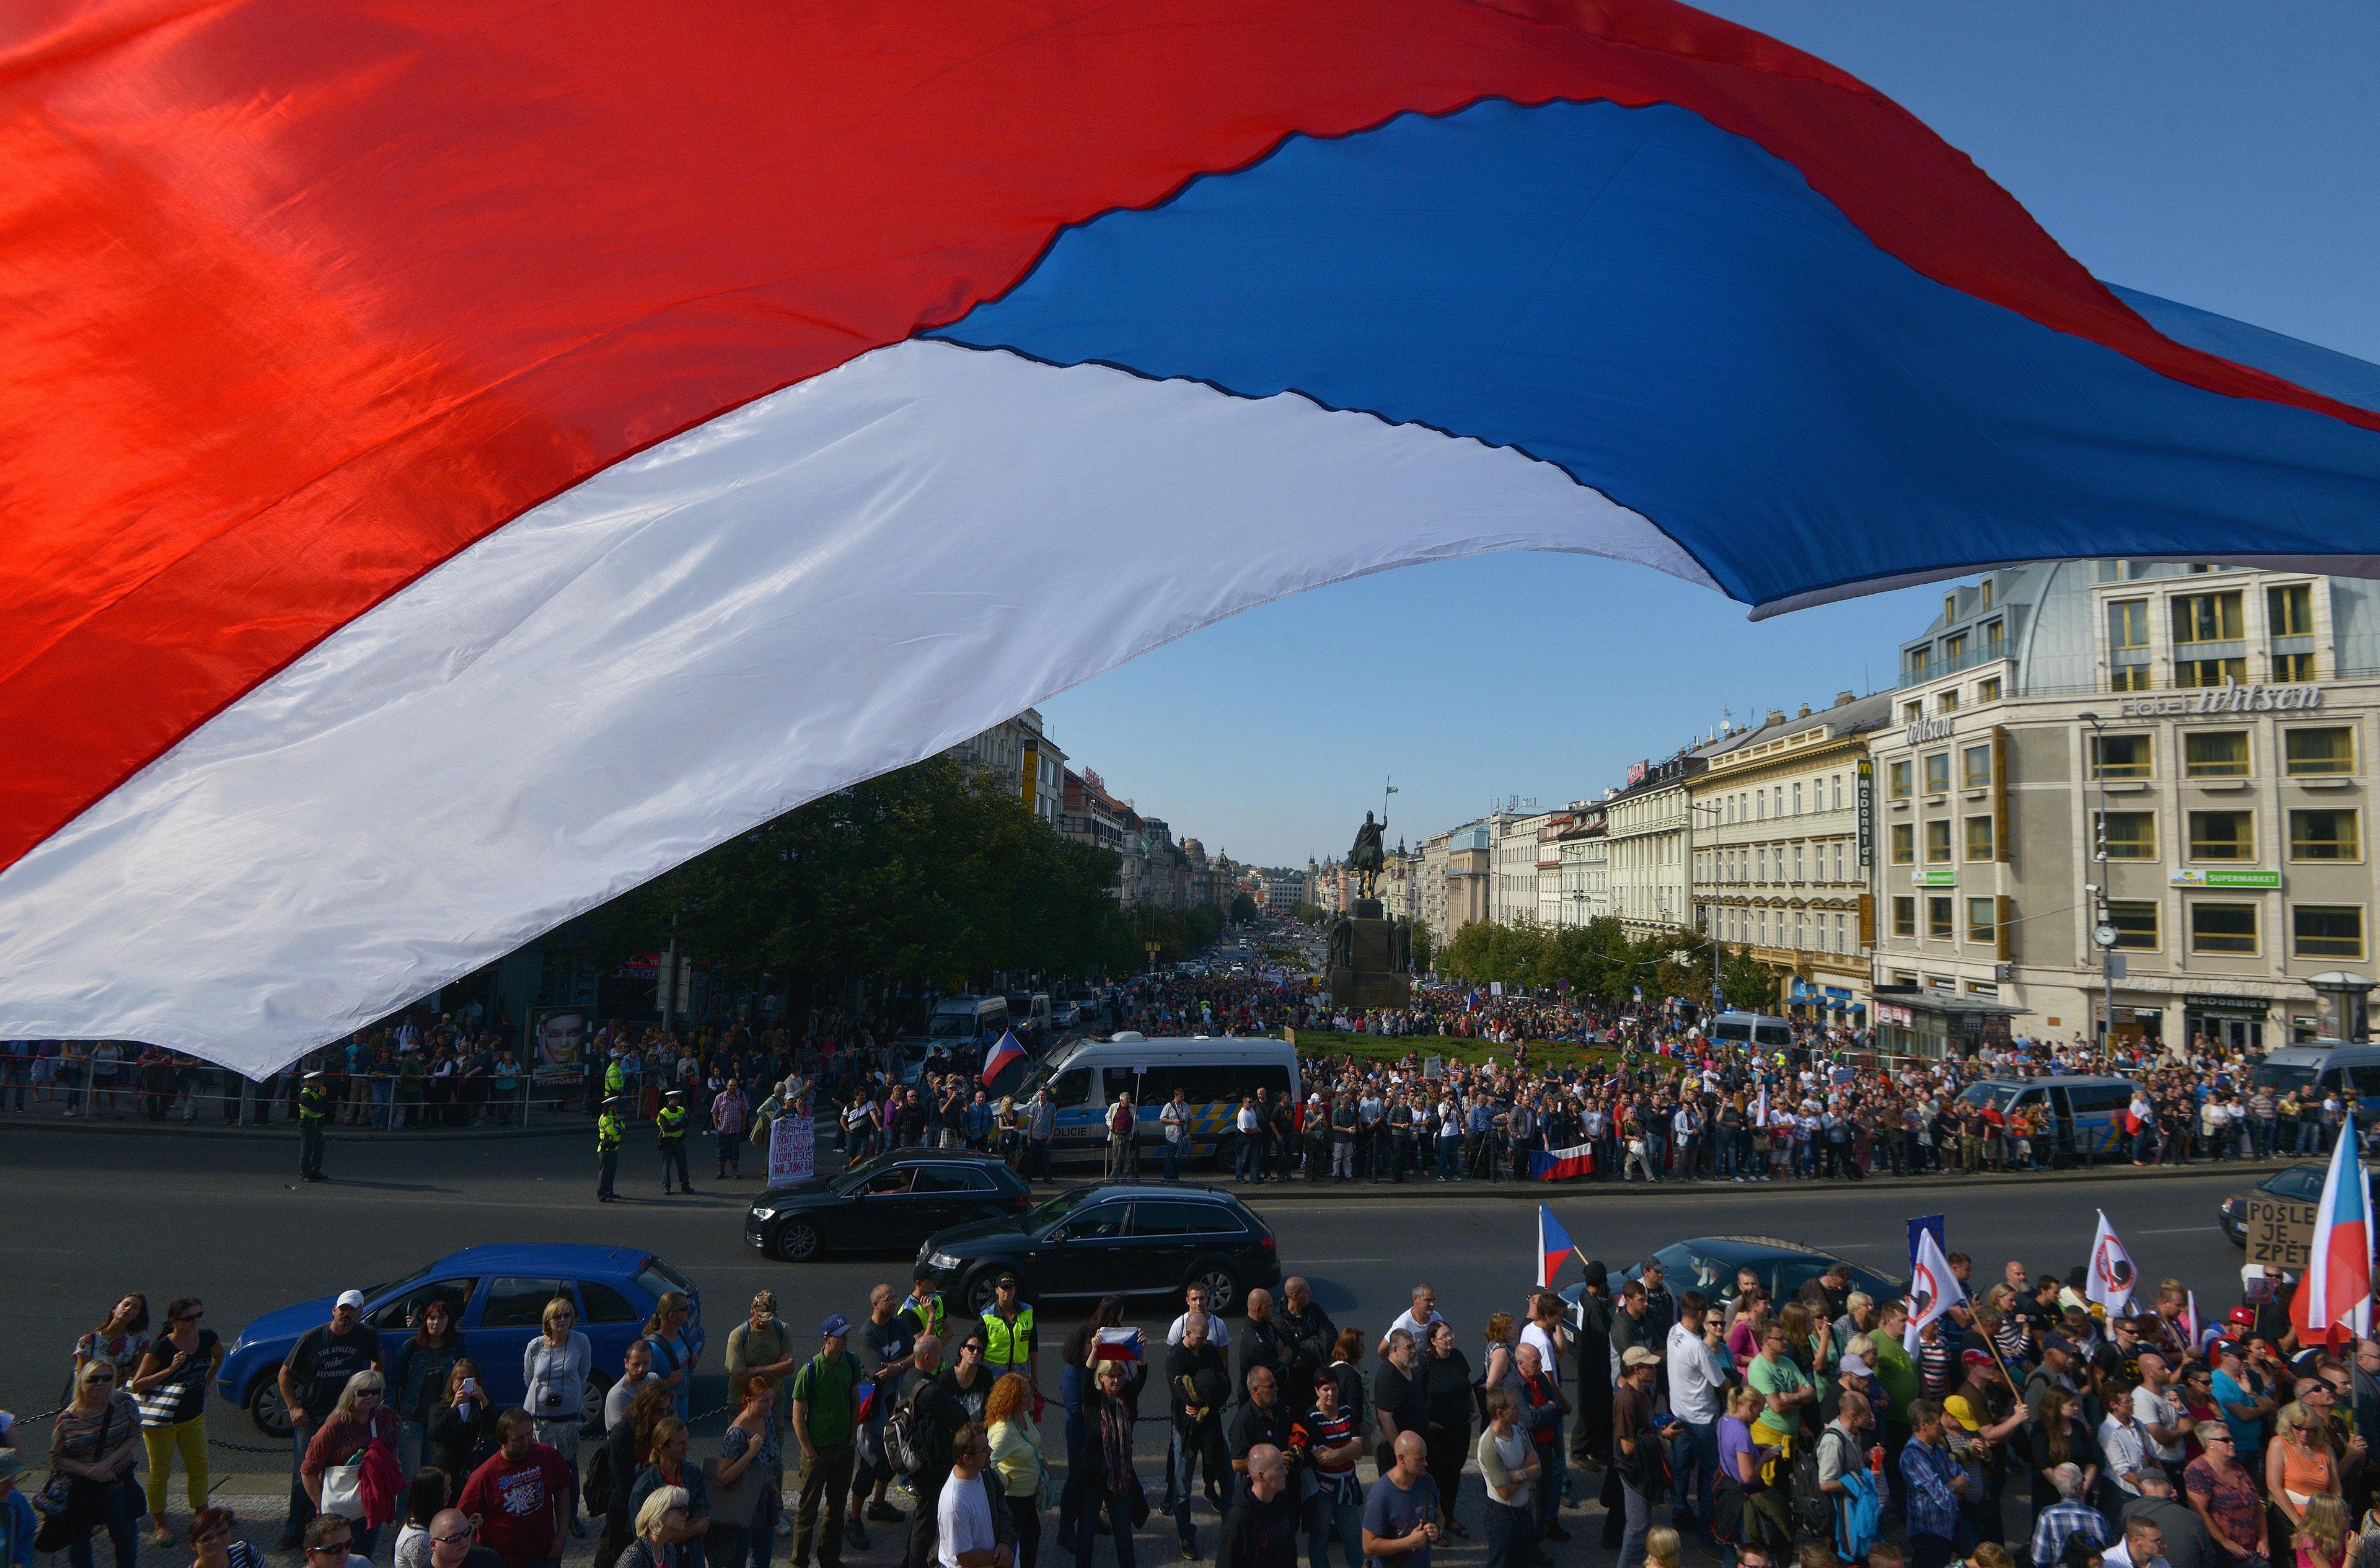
(2023, 1425)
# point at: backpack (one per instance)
(904, 1448)
(1814, 1511)
(595, 1482)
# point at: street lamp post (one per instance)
(2103, 929)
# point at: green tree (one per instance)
(1745, 982)
(1243, 909)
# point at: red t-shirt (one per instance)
(514, 1502)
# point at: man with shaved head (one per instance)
(1260, 1530)
(1402, 1510)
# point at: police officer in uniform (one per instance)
(615, 1077)
(314, 1114)
(669, 1127)
(608, 1136)
(1009, 1344)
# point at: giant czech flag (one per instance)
(461, 461)
(2336, 1288)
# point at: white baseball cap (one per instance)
(353, 1298)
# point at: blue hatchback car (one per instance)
(503, 1291)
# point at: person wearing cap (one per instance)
(1636, 1430)
(2244, 1409)
(669, 1134)
(311, 1379)
(1982, 1416)
(2056, 1371)
(826, 1420)
(314, 1115)
(1010, 1343)
(18, 1524)
(609, 1135)
(761, 1346)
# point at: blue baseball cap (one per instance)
(836, 1324)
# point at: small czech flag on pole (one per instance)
(1553, 1246)
(1004, 1054)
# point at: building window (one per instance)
(1839, 791)
(2111, 571)
(2288, 612)
(2121, 757)
(2222, 835)
(1994, 635)
(1976, 766)
(2317, 753)
(2293, 667)
(1913, 712)
(1797, 800)
(1950, 607)
(2319, 931)
(2135, 920)
(2128, 624)
(2208, 617)
(1989, 690)
(2129, 677)
(1938, 924)
(2225, 929)
(1797, 862)
(2325, 836)
(2209, 671)
(1904, 844)
(1937, 773)
(1904, 916)
(1937, 843)
(1982, 923)
(2217, 754)
(1897, 781)
(1946, 700)
(2131, 836)
(1979, 838)
(1839, 860)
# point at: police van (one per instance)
(2325, 1066)
(1758, 1030)
(2083, 1114)
(1085, 1078)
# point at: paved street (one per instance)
(227, 1221)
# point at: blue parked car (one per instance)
(503, 1291)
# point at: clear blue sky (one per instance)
(2219, 154)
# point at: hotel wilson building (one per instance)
(2219, 722)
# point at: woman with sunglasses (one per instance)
(216, 1543)
(95, 1441)
(553, 1370)
(360, 1419)
(170, 1386)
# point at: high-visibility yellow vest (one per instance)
(607, 1133)
(310, 1106)
(615, 1077)
(929, 1311)
(1004, 1346)
(670, 1122)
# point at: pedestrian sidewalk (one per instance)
(1425, 1188)
(130, 1120)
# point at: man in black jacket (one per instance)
(940, 1419)
(1262, 1342)
(1199, 1385)
(1590, 1438)
(1260, 1531)
(1308, 1341)
(1262, 1418)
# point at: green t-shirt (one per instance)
(1776, 1377)
(826, 1385)
(1897, 1375)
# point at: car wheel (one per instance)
(267, 1410)
(981, 1293)
(1220, 1284)
(798, 1241)
(590, 1403)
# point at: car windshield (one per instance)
(374, 1292)
(950, 1026)
(1995, 1097)
(1689, 1270)
(2282, 1076)
(854, 1177)
(1051, 1210)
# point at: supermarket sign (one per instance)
(2200, 876)
(1936, 879)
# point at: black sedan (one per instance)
(1710, 1264)
(2298, 1184)
(1116, 1239)
(887, 1204)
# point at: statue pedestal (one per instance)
(1370, 980)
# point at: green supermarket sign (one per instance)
(2201, 876)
